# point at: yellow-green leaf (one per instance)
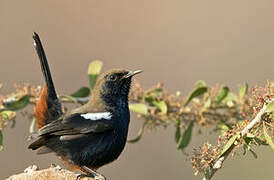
(69, 98)
(161, 105)
(268, 138)
(7, 115)
(243, 91)
(32, 126)
(207, 103)
(200, 83)
(229, 144)
(138, 108)
(93, 72)
(270, 107)
(230, 97)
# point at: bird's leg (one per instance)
(92, 173)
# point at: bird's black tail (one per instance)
(48, 108)
(44, 66)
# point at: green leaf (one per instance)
(268, 138)
(249, 135)
(82, 92)
(139, 135)
(243, 91)
(207, 174)
(229, 144)
(156, 90)
(6, 114)
(1, 140)
(70, 98)
(207, 103)
(17, 104)
(260, 140)
(200, 83)
(222, 94)
(253, 153)
(270, 107)
(32, 125)
(230, 97)
(223, 128)
(178, 131)
(138, 108)
(161, 105)
(248, 142)
(186, 137)
(93, 72)
(197, 92)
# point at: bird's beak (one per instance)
(132, 73)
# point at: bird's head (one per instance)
(113, 86)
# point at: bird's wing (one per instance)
(79, 124)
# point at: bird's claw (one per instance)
(80, 176)
(100, 177)
(97, 177)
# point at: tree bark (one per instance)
(52, 173)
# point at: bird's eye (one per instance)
(112, 77)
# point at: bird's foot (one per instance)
(95, 177)
(100, 177)
(80, 176)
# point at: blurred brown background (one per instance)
(176, 42)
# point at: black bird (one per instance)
(92, 135)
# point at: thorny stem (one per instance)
(218, 164)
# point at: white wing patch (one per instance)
(97, 116)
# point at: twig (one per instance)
(218, 164)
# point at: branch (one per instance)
(52, 173)
(218, 164)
